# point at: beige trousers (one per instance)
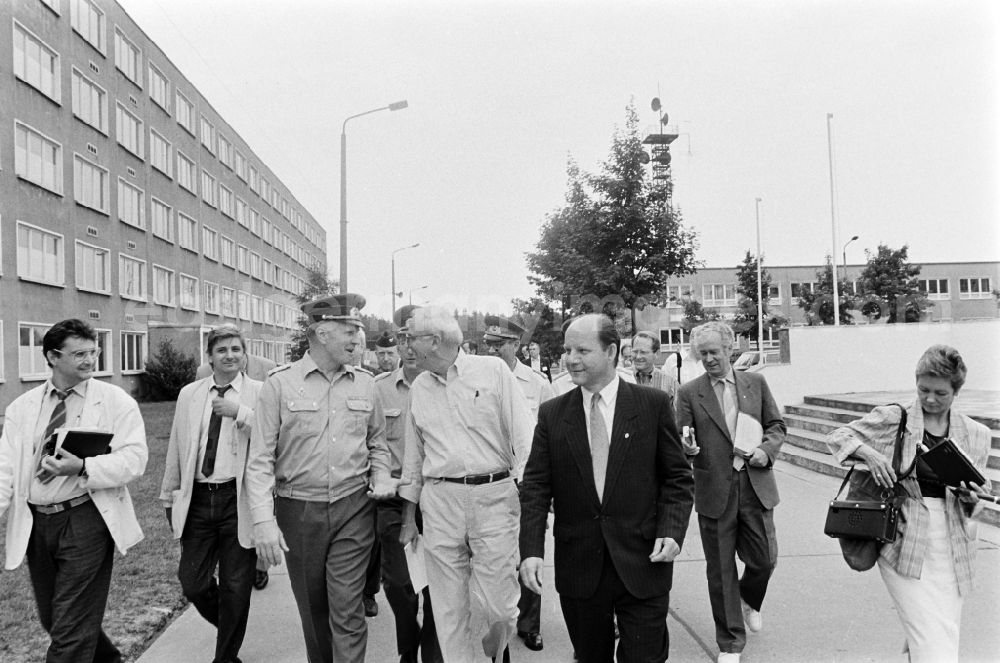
(470, 537)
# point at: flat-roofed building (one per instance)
(126, 200)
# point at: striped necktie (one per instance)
(56, 421)
(600, 443)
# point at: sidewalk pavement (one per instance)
(817, 610)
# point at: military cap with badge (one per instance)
(344, 307)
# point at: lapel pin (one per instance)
(626, 436)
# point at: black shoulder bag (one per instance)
(869, 516)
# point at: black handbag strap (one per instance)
(897, 452)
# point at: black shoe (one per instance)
(532, 641)
(409, 657)
(260, 580)
(506, 655)
(371, 607)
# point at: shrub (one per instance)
(168, 371)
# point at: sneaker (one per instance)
(752, 618)
(371, 607)
(728, 657)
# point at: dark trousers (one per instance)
(373, 574)
(329, 545)
(746, 529)
(642, 623)
(210, 539)
(410, 634)
(529, 610)
(70, 557)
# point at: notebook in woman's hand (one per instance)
(951, 465)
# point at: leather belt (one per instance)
(215, 487)
(59, 507)
(478, 479)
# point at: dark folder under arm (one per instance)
(951, 465)
(84, 443)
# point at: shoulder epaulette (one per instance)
(383, 376)
(278, 369)
(362, 369)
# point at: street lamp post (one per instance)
(423, 287)
(392, 299)
(760, 291)
(833, 221)
(844, 255)
(396, 105)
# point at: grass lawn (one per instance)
(145, 593)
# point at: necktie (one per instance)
(643, 378)
(600, 442)
(728, 404)
(214, 428)
(57, 420)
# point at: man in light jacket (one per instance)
(68, 514)
(203, 494)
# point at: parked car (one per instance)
(751, 359)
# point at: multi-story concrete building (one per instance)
(957, 290)
(126, 200)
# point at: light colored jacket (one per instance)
(877, 429)
(107, 407)
(182, 453)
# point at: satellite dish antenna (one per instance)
(656, 104)
(643, 157)
(665, 119)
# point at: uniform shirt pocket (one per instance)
(358, 411)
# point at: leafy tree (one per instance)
(318, 284)
(168, 371)
(696, 314)
(745, 319)
(617, 239)
(818, 303)
(890, 287)
(540, 321)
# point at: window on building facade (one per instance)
(935, 288)
(31, 361)
(87, 20)
(227, 251)
(40, 255)
(36, 63)
(243, 305)
(90, 102)
(186, 172)
(90, 184)
(93, 268)
(268, 271)
(228, 302)
(243, 259)
(128, 58)
(208, 134)
(129, 131)
(37, 158)
(265, 189)
(241, 165)
(163, 286)
(211, 298)
(254, 179)
(255, 265)
(159, 152)
(242, 212)
(187, 232)
(162, 219)
(800, 289)
(185, 112)
(226, 201)
(255, 222)
(131, 277)
(255, 309)
(159, 88)
(133, 356)
(209, 193)
(188, 292)
(209, 243)
(225, 151)
(264, 231)
(974, 288)
(774, 294)
(131, 206)
(102, 364)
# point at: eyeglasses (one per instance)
(82, 355)
(494, 344)
(406, 339)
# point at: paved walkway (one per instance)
(817, 609)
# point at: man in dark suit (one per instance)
(734, 492)
(535, 360)
(608, 456)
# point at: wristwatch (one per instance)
(83, 470)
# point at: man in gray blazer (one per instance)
(203, 490)
(734, 493)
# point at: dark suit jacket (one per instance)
(698, 407)
(647, 492)
(542, 361)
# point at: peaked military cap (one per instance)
(345, 307)
(385, 341)
(403, 314)
(502, 329)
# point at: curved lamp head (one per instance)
(398, 105)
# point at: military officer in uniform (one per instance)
(502, 337)
(319, 442)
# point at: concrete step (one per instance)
(838, 402)
(810, 423)
(806, 439)
(820, 412)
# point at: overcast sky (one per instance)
(501, 94)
